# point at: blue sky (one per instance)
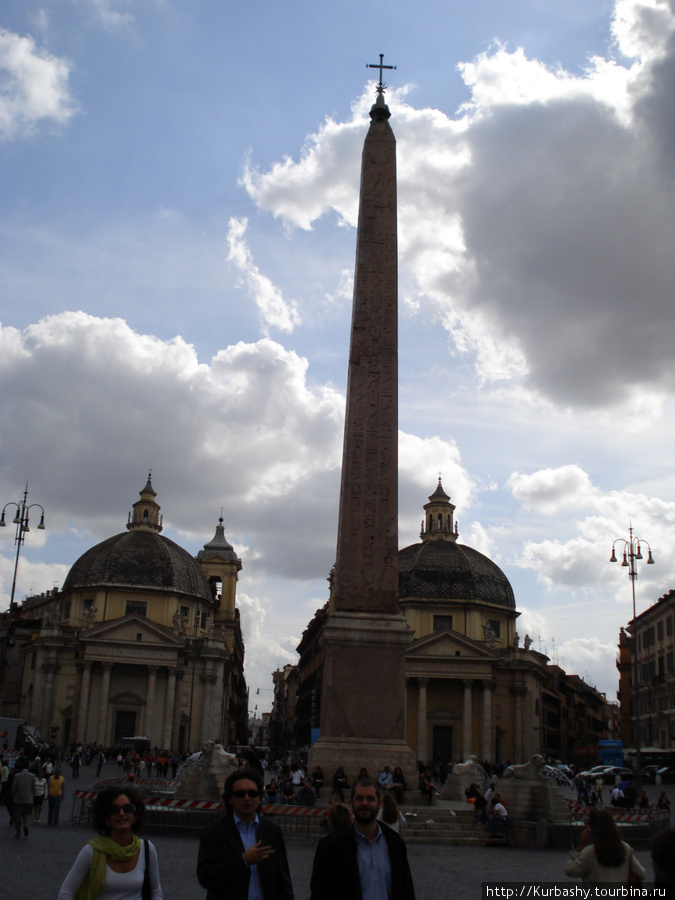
(180, 185)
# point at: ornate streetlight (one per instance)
(632, 552)
(21, 518)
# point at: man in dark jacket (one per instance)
(368, 860)
(243, 856)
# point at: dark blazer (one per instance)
(335, 873)
(223, 872)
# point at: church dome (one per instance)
(440, 568)
(446, 570)
(140, 559)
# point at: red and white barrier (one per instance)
(630, 816)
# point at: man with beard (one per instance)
(368, 861)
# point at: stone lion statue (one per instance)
(530, 769)
(217, 757)
(469, 767)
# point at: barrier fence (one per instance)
(169, 814)
(632, 822)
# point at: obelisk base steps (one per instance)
(364, 696)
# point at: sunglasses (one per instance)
(127, 808)
(241, 794)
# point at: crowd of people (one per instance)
(242, 854)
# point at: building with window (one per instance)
(143, 638)
(654, 693)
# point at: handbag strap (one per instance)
(145, 890)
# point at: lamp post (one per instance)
(21, 520)
(632, 552)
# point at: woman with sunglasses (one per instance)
(243, 854)
(117, 863)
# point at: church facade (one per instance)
(470, 687)
(143, 639)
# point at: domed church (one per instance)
(143, 639)
(470, 687)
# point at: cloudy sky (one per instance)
(180, 189)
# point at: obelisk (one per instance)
(364, 641)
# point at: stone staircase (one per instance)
(442, 825)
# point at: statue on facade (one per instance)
(176, 622)
(489, 636)
(527, 643)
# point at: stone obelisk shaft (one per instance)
(365, 637)
(367, 549)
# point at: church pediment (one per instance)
(126, 630)
(448, 644)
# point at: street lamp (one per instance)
(632, 552)
(21, 520)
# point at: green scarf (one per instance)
(104, 847)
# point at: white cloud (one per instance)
(590, 658)
(538, 220)
(34, 87)
(103, 403)
(550, 490)
(31, 577)
(113, 15)
(275, 312)
(579, 562)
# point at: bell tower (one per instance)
(145, 515)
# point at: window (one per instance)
(442, 622)
(659, 630)
(669, 626)
(669, 661)
(136, 606)
(184, 612)
(66, 611)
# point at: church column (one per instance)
(177, 710)
(487, 745)
(102, 729)
(38, 691)
(48, 716)
(422, 751)
(467, 716)
(167, 721)
(207, 729)
(85, 681)
(518, 724)
(148, 716)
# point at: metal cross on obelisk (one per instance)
(381, 85)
